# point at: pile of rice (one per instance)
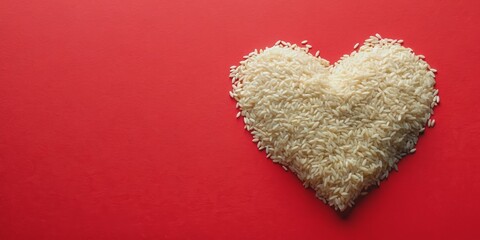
(340, 128)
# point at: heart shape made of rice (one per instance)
(340, 128)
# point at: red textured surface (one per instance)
(115, 121)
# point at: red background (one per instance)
(115, 121)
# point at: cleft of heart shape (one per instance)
(340, 128)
